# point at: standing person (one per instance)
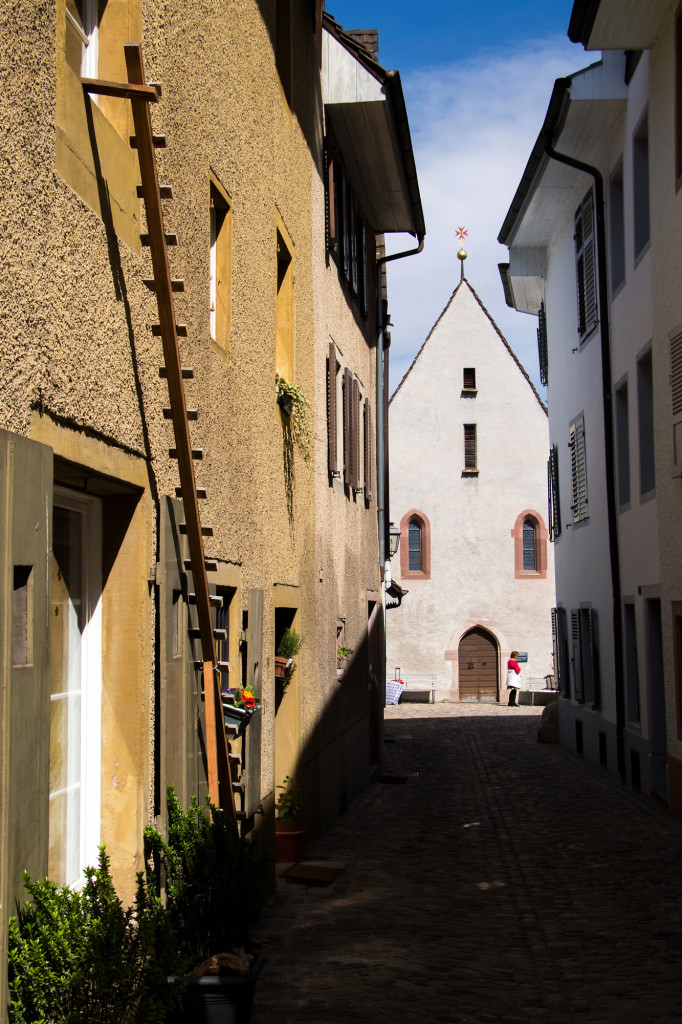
(513, 666)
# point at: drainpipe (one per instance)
(609, 446)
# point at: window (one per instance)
(220, 267)
(415, 546)
(284, 307)
(676, 389)
(623, 444)
(542, 344)
(617, 227)
(579, 505)
(469, 379)
(553, 493)
(470, 448)
(640, 184)
(75, 686)
(645, 406)
(586, 268)
(530, 546)
(347, 234)
(631, 670)
(82, 36)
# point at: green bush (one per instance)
(79, 956)
(213, 878)
(290, 644)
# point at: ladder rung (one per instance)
(192, 414)
(222, 666)
(238, 787)
(165, 191)
(206, 531)
(180, 330)
(218, 634)
(177, 284)
(215, 599)
(186, 371)
(232, 732)
(201, 492)
(158, 139)
(197, 453)
(171, 239)
(235, 762)
(210, 563)
(240, 815)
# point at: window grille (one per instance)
(414, 536)
(529, 559)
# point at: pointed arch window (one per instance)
(530, 546)
(415, 546)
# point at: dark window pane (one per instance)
(415, 546)
(528, 545)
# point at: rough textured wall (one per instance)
(471, 518)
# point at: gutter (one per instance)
(609, 446)
(582, 21)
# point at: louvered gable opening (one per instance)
(469, 378)
(470, 446)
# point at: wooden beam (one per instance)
(126, 90)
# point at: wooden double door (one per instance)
(478, 667)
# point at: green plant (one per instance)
(344, 652)
(290, 644)
(302, 430)
(79, 956)
(213, 877)
(290, 800)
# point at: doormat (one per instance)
(311, 874)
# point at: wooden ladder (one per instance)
(220, 787)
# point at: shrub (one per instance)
(290, 644)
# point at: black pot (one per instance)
(286, 404)
(218, 999)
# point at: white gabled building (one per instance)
(580, 255)
(468, 487)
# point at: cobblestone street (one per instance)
(506, 881)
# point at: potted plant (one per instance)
(240, 704)
(213, 879)
(296, 407)
(342, 656)
(287, 649)
(289, 827)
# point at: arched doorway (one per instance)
(477, 657)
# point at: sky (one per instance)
(477, 79)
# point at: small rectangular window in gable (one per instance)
(586, 269)
(542, 344)
(469, 378)
(470, 447)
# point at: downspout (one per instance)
(609, 446)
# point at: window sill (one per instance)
(469, 472)
(413, 574)
(469, 392)
(531, 574)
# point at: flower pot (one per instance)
(286, 404)
(218, 999)
(282, 666)
(289, 840)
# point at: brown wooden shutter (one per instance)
(332, 412)
(345, 225)
(357, 481)
(353, 223)
(368, 450)
(347, 427)
(586, 269)
(254, 676)
(363, 275)
(470, 446)
(332, 241)
(25, 543)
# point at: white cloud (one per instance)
(473, 126)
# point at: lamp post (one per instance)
(393, 539)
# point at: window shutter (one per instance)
(542, 343)
(470, 446)
(554, 511)
(345, 225)
(676, 386)
(588, 654)
(356, 481)
(368, 450)
(26, 476)
(347, 427)
(560, 644)
(332, 240)
(332, 412)
(586, 266)
(575, 656)
(353, 217)
(578, 470)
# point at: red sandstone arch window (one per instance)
(415, 546)
(530, 546)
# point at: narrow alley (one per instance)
(505, 881)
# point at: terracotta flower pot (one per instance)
(289, 840)
(282, 666)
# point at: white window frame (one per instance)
(90, 508)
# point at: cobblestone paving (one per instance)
(508, 881)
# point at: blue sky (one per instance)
(477, 79)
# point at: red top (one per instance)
(511, 664)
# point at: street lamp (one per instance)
(393, 539)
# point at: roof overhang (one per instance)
(616, 24)
(365, 108)
(582, 108)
